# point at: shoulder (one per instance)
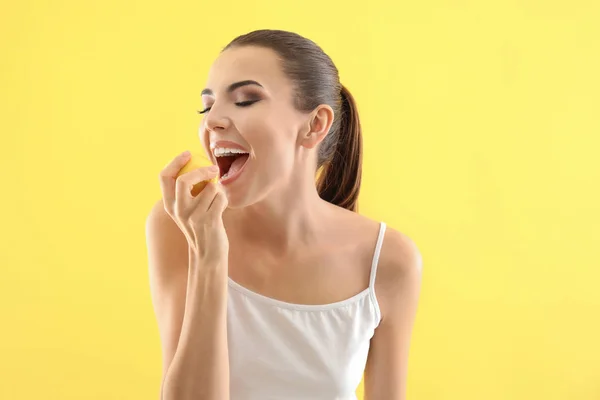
(157, 215)
(400, 261)
(399, 272)
(159, 223)
(399, 254)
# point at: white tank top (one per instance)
(285, 351)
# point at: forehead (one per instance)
(247, 62)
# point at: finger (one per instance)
(206, 197)
(168, 175)
(219, 204)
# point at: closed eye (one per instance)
(246, 103)
(239, 104)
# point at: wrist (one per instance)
(207, 263)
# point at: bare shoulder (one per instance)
(398, 273)
(399, 252)
(399, 255)
(400, 261)
(158, 219)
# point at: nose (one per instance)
(215, 120)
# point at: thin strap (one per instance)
(376, 255)
(375, 303)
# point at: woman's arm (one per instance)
(399, 278)
(200, 368)
(190, 308)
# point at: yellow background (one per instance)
(481, 125)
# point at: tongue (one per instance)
(237, 164)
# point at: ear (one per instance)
(319, 124)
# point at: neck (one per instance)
(284, 220)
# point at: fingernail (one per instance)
(214, 168)
(185, 153)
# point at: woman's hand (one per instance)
(199, 217)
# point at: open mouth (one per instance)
(230, 164)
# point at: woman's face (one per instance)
(249, 107)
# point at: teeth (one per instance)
(225, 176)
(224, 151)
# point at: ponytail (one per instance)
(339, 181)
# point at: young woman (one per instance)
(269, 284)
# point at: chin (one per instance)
(241, 197)
(237, 200)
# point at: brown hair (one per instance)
(317, 81)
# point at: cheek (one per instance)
(265, 133)
(273, 148)
(203, 135)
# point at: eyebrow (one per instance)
(233, 87)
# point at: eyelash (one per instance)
(240, 104)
